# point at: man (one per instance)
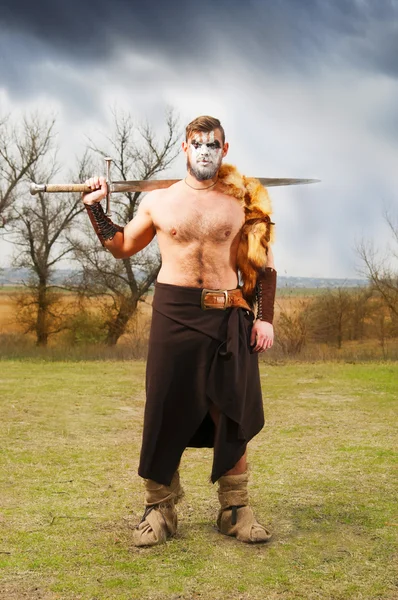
(202, 384)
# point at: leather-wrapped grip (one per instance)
(265, 294)
(104, 227)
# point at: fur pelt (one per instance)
(258, 229)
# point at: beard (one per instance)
(204, 172)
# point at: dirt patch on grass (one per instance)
(14, 590)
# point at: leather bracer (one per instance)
(103, 225)
(265, 294)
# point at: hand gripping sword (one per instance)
(144, 185)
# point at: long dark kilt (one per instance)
(197, 357)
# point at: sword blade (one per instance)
(155, 184)
(146, 185)
(275, 181)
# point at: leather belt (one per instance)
(223, 299)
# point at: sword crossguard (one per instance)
(108, 161)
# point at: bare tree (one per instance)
(138, 153)
(22, 144)
(292, 327)
(382, 268)
(42, 236)
(381, 324)
(329, 316)
(361, 309)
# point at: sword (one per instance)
(144, 185)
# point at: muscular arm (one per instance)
(122, 242)
(262, 336)
(137, 234)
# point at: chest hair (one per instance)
(212, 224)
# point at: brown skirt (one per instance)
(198, 357)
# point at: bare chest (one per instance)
(208, 222)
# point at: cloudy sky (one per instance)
(304, 88)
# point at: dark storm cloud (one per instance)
(288, 32)
(315, 80)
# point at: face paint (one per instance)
(208, 137)
(204, 137)
(204, 155)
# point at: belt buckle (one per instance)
(207, 291)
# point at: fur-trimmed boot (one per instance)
(235, 517)
(160, 517)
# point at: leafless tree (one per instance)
(292, 327)
(360, 311)
(381, 325)
(381, 268)
(138, 153)
(329, 316)
(22, 145)
(41, 234)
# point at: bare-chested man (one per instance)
(202, 373)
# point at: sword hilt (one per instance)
(35, 188)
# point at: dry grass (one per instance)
(133, 345)
(14, 343)
(9, 323)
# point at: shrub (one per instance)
(85, 328)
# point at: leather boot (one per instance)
(235, 517)
(160, 517)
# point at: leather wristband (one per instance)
(265, 294)
(104, 227)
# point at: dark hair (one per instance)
(204, 123)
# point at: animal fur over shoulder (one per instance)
(258, 229)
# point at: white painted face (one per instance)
(204, 155)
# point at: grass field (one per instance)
(324, 479)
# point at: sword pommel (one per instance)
(35, 188)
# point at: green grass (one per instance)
(323, 478)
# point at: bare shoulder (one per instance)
(157, 199)
(151, 200)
